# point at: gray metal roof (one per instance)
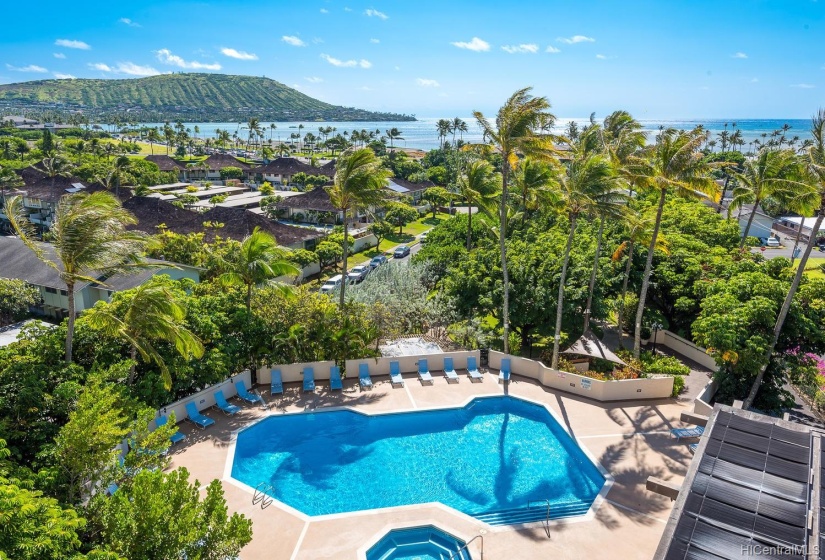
(749, 488)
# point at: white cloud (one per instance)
(133, 69)
(365, 88)
(398, 68)
(601, 57)
(475, 44)
(376, 13)
(293, 40)
(314, 80)
(317, 40)
(127, 21)
(324, 11)
(166, 57)
(100, 66)
(375, 41)
(552, 49)
(347, 9)
(72, 44)
(803, 86)
(754, 80)
(29, 68)
(60, 76)
(240, 55)
(424, 82)
(739, 55)
(523, 48)
(576, 39)
(59, 55)
(347, 63)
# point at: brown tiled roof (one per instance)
(164, 162)
(237, 222)
(329, 168)
(37, 184)
(317, 199)
(218, 161)
(410, 186)
(290, 166)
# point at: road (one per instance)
(772, 253)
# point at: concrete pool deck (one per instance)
(630, 439)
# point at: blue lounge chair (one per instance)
(364, 378)
(472, 369)
(504, 371)
(196, 417)
(335, 379)
(449, 370)
(424, 372)
(309, 379)
(225, 407)
(246, 395)
(176, 437)
(680, 433)
(692, 447)
(276, 385)
(395, 374)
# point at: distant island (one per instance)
(189, 97)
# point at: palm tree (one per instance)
(394, 134)
(259, 261)
(89, 236)
(456, 125)
(814, 161)
(114, 174)
(359, 182)
(772, 171)
(520, 128)
(673, 165)
(57, 166)
(9, 180)
(533, 182)
(151, 313)
(443, 127)
(152, 136)
(478, 185)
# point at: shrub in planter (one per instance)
(678, 385)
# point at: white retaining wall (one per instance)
(687, 349)
(626, 389)
(291, 373)
(205, 398)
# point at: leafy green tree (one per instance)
(151, 313)
(359, 182)
(478, 185)
(57, 166)
(194, 527)
(302, 258)
(217, 199)
(9, 180)
(15, 299)
(89, 236)
(231, 173)
(437, 174)
(399, 215)
(267, 189)
(436, 196)
(673, 165)
(328, 253)
(381, 229)
(520, 128)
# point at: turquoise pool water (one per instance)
(418, 543)
(488, 458)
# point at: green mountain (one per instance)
(187, 97)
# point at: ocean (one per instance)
(422, 134)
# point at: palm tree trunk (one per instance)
(560, 302)
(133, 367)
(248, 298)
(469, 225)
(592, 286)
(796, 244)
(70, 322)
(724, 190)
(750, 221)
(344, 266)
(502, 235)
(627, 268)
(783, 313)
(637, 335)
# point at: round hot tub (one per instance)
(418, 543)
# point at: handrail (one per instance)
(260, 495)
(468, 544)
(547, 517)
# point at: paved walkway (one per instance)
(629, 439)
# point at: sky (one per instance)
(658, 59)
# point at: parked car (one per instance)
(332, 284)
(377, 261)
(401, 252)
(357, 274)
(772, 242)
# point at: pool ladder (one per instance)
(260, 496)
(465, 547)
(547, 517)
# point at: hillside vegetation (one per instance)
(192, 97)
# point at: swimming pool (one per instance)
(488, 459)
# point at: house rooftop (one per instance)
(165, 163)
(317, 199)
(290, 166)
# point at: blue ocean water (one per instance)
(495, 454)
(422, 134)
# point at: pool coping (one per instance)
(588, 516)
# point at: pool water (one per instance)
(418, 543)
(490, 457)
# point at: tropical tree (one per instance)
(89, 236)
(259, 260)
(152, 136)
(435, 197)
(399, 215)
(769, 173)
(394, 134)
(814, 162)
(673, 165)
(359, 182)
(479, 186)
(534, 182)
(521, 128)
(151, 313)
(9, 180)
(443, 127)
(57, 166)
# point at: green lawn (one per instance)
(812, 268)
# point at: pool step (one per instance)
(532, 514)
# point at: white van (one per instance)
(331, 285)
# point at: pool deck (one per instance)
(630, 439)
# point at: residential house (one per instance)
(402, 187)
(791, 225)
(279, 171)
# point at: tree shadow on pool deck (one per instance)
(323, 397)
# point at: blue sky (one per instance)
(657, 59)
